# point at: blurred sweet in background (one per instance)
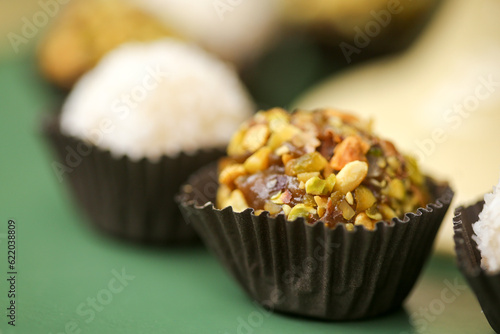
(321, 37)
(314, 35)
(237, 30)
(86, 30)
(335, 21)
(440, 99)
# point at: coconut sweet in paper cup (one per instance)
(477, 245)
(287, 216)
(135, 127)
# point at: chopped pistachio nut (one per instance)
(305, 139)
(286, 209)
(262, 116)
(316, 186)
(349, 227)
(330, 182)
(309, 200)
(413, 171)
(335, 122)
(310, 162)
(222, 195)
(347, 211)
(408, 206)
(255, 137)
(235, 148)
(258, 161)
(327, 171)
(282, 150)
(276, 199)
(364, 198)
(286, 158)
(412, 202)
(382, 163)
(231, 173)
(274, 113)
(286, 133)
(393, 162)
(349, 198)
(272, 208)
(336, 196)
(278, 120)
(322, 203)
(396, 189)
(379, 184)
(301, 210)
(237, 201)
(373, 213)
(351, 176)
(363, 219)
(321, 211)
(304, 177)
(386, 211)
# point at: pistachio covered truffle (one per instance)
(321, 165)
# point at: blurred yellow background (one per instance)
(11, 14)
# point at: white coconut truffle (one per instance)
(487, 231)
(235, 30)
(151, 99)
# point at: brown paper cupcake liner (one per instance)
(486, 286)
(309, 269)
(128, 199)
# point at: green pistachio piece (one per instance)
(373, 213)
(364, 198)
(310, 162)
(258, 161)
(301, 210)
(347, 211)
(330, 182)
(396, 189)
(316, 186)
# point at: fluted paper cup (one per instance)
(485, 285)
(128, 199)
(310, 269)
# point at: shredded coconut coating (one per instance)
(487, 231)
(151, 99)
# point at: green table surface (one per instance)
(63, 265)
